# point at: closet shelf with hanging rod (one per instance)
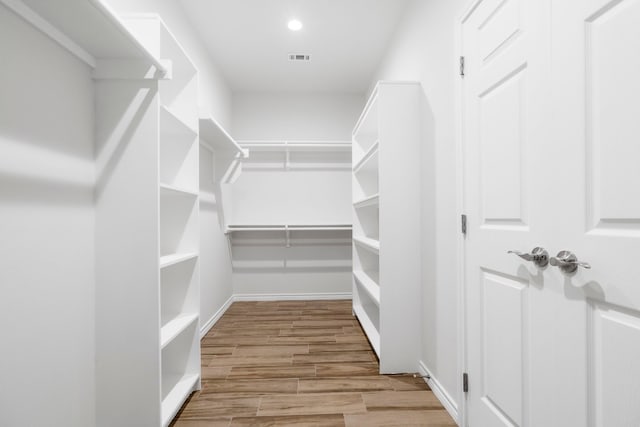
(298, 155)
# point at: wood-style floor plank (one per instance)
(301, 363)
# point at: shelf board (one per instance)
(167, 260)
(91, 30)
(369, 159)
(172, 124)
(177, 396)
(372, 200)
(213, 135)
(369, 284)
(282, 227)
(175, 327)
(369, 328)
(368, 243)
(308, 146)
(173, 191)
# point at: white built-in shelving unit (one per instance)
(386, 224)
(147, 230)
(179, 290)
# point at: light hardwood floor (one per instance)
(301, 363)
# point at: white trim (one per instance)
(49, 30)
(460, 209)
(462, 338)
(291, 297)
(440, 392)
(214, 319)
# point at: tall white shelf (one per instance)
(386, 224)
(147, 302)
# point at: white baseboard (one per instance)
(290, 297)
(439, 391)
(218, 314)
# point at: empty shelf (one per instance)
(175, 327)
(369, 160)
(280, 227)
(297, 145)
(368, 243)
(216, 137)
(367, 201)
(90, 30)
(176, 397)
(172, 191)
(369, 328)
(167, 260)
(368, 284)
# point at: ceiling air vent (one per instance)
(299, 57)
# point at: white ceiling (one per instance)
(250, 42)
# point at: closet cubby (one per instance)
(386, 224)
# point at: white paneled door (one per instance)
(551, 137)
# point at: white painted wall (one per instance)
(281, 116)
(46, 223)
(214, 92)
(423, 50)
(294, 197)
(216, 283)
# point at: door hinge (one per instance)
(462, 66)
(463, 223)
(465, 382)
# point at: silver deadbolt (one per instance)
(538, 255)
(568, 262)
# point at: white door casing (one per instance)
(551, 143)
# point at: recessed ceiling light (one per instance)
(294, 25)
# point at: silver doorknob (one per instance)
(568, 262)
(538, 255)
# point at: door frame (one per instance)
(461, 247)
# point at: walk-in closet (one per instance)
(346, 213)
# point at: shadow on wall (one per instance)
(116, 131)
